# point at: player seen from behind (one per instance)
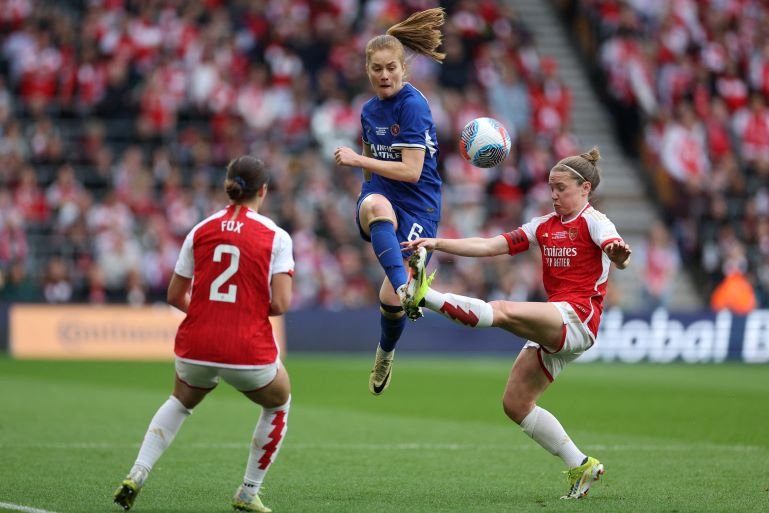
(234, 270)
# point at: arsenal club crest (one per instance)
(395, 129)
(573, 234)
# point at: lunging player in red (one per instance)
(578, 245)
(234, 271)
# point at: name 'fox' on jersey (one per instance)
(389, 126)
(574, 267)
(231, 262)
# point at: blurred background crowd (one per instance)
(688, 84)
(117, 118)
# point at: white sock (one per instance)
(545, 429)
(161, 432)
(467, 311)
(265, 444)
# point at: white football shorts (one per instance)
(244, 380)
(577, 339)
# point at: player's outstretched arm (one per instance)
(470, 247)
(619, 252)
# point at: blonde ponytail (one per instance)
(421, 33)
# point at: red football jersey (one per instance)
(231, 261)
(574, 267)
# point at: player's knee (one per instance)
(279, 400)
(390, 311)
(377, 208)
(276, 397)
(516, 408)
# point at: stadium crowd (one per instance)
(693, 77)
(117, 118)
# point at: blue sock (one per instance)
(388, 252)
(391, 328)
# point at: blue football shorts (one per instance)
(410, 227)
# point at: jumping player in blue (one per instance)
(400, 198)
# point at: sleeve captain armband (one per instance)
(517, 241)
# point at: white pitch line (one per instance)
(405, 446)
(24, 509)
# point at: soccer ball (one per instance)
(484, 142)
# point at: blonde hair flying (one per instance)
(420, 32)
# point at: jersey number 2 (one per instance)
(216, 285)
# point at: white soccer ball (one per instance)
(484, 142)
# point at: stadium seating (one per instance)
(687, 83)
(117, 118)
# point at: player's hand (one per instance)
(618, 252)
(411, 245)
(345, 156)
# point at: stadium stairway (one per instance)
(622, 195)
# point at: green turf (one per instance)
(674, 438)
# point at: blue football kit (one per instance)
(390, 125)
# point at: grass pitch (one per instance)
(673, 438)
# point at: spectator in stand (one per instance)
(718, 131)
(684, 150)
(751, 127)
(30, 199)
(760, 259)
(6, 102)
(618, 55)
(759, 69)
(509, 96)
(551, 100)
(455, 73)
(732, 87)
(158, 108)
(90, 81)
(118, 255)
(64, 196)
(13, 238)
(57, 284)
(735, 292)
(18, 286)
(659, 257)
(45, 141)
(13, 144)
(40, 63)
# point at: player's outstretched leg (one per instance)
(468, 311)
(126, 493)
(580, 478)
